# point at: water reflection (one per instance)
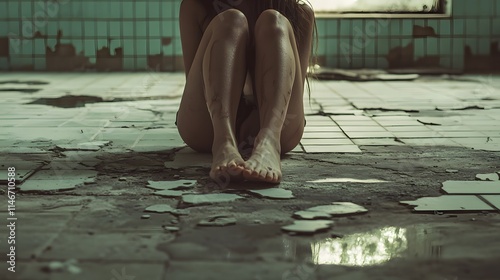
(361, 249)
(368, 248)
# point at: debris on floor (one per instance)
(308, 227)
(339, 209)
(218, 221)
(67, 266)
(471, 187)
(170, 193)
(312, 215)
(451, 170)
(274, 193)
(145, 217)
(171, 229)
(160, 208)
(464, 203)
(197, 199)
(171, 185)
(488, 177)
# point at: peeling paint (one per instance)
(423, 32)
(64, 57)
(107, 62)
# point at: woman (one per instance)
(233, 50)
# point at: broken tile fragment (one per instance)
(180, 212)
(488, 177)
(160, 208)
(471, 187)
(274, 193)
(69, 266)
(339, 209)
(308, 227)
(311, 215)
(49, 185)
(90, 181)
(449, 203)
(451, 170)
(170, 193)
(145, 217)
(171, 185)
(209, 198)
(218, 221)
(171, 229)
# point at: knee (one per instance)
(230, 23)
(272, 24)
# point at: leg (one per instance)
(279, 91)
(209, 105)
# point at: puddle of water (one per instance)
(376, 247)
(359, 249)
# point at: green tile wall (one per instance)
(140, 26)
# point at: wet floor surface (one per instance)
(392, 180)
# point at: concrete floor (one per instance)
(85, 147)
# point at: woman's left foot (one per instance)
(265, 163)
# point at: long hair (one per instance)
(293, 10)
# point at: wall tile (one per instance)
(115, 10)
(153, 9)
(444, 27)
(486, 8)
(102, 29)
(471, 27)
(383, 27)
(444, 46)
(458, 27)
(395, 27)
(484, 27)
(3, 9)
(127, 8)
(496, 26)
(407, 27)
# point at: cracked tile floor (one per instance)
(93, 151)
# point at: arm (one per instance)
(191, 15)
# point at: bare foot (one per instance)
(265, 163)
(227, 162)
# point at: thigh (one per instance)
(193, 119)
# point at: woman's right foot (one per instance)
(227, 162)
